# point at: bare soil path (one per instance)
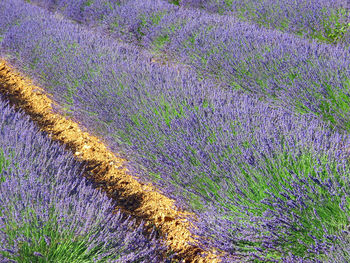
(141, 201)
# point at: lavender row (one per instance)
(322, 20)
(326, 21)
(220, 153)
(50, 213)
(314, 77)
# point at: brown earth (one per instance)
(141, 201)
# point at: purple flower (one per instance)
(38, 254)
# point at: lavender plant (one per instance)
(268, 65)
(4, 163)
(219, 152)
(298, 204)
(340, 252)
(49, 213)
(322, 20)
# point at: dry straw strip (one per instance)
(141, 201)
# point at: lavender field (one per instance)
(237, 109)
(50, 213)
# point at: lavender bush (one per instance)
(50, 213)
(340, 252)
(326, 21)
(322, 20)
(302, 197)
(267, 181)
(241, 56)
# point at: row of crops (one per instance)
(323, 20)
(50, 213)
(239, 110)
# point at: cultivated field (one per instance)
(174, 131)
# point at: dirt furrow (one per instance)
(141, 201)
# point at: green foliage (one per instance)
(160, 41)
(278, 174)
(168, 112)
(63, 246)
(88, 2)
(195, 201)
(284, 25)
(156, 17)
(155, 176)
(228, 3)
(333, 101)
(4, 163)
(190, 42)
(148, 20)
(114, 25)
(334, 29)
(175, 2)
(110, 6)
